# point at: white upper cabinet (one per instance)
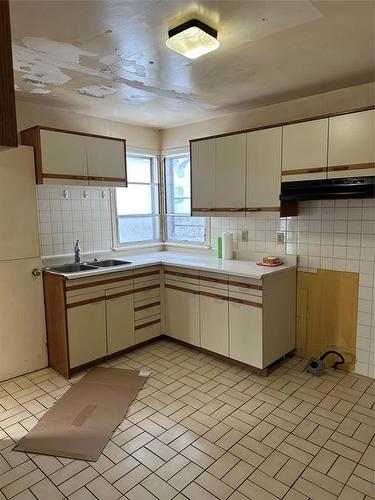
(63, 157)
(106, 161)
(230, 174)
(351, 149)
(202, 175)
(305, 150)
(263, 169)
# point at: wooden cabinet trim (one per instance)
(8, 117)
(182, 289)
(213, 295)
(145, 288)
(182, 275)
(147, 306)
(353, 166)
(84, 302)
(148, 273)
(74, 132)
(245, 302)
(282, 124)
(120, 294)
(263, 209)
(244, 285)
(65, 176)
(98, 283)
(314, 170)
(145, 325)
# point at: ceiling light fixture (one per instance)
(193, 39)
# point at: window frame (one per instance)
(165, 214)
(155, 181)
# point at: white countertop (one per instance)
(190, 260)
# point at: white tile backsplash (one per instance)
(330, 234)
(62, 220)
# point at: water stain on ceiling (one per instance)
(108, 58)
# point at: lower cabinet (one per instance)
(182, 310)
(214, 324)
(87, 333)
(120, 322)
(246, 335)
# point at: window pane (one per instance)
(136, 229)
(139, 169)
(136, 199)
(189, 229)
(177, 175)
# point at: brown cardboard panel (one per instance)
(82, 421)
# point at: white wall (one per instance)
(139, 139)
(176, 139)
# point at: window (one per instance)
(137, 206)
(180, 226)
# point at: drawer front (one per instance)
(213, 280)
(147, 332)
(246, 286)
(99, 283)
(176, 275)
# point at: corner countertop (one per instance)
(187, 260)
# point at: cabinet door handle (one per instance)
(36, 272)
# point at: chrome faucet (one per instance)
(77, 252)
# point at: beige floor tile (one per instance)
(46, 490)
(238, 474)
(132, 478)
(23, 483)
(342, 469)
(350, 494)
(261, 435)
(323, 460)
(273, 463)
(312, 490)
(172, 467)
(218, 488)
(103, 490)
(193, 491)
(185, 476)
(223, 465)
(290, 471)
(159, 488)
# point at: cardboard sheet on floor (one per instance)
(82, 421)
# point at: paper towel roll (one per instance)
(227, 246)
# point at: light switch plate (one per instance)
(280, 237)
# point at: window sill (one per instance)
(186, 245)
(138, 245)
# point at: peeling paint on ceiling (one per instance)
(114, 52)
(98, 91)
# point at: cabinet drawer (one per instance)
(145, 294)
(147, 332)
(247, 286)
(213, 280)
(147, 310)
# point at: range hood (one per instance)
(328, 189)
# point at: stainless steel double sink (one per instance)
(87, 266)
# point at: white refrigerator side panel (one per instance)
(19, 231)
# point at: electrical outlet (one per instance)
(245, 235)
(280, 237)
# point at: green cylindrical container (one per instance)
(219, 247)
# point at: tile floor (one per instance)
(204, 429)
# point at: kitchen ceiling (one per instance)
(108, 58)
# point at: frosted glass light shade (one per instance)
(192, 40)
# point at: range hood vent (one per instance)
(328, 189)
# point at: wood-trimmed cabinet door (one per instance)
(202, 158)
(120, 323)
(230, 175)
(263, 178)
(214, 324)
(106, 162)
(351, 145)
(86, 333)
(64, 159)
(245, 334)
(305, 147)
(182, 315)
